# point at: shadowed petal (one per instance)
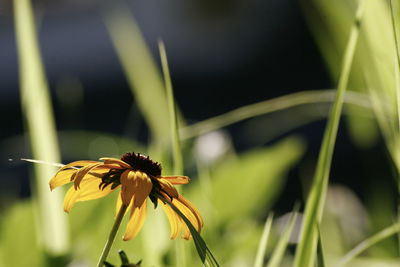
(83, 171)
(191, 213)
(116, 161)
(119, 204)
(177, 179)
(168, 187)
(89, 189)
(138, 214)
(144, 186)
(128, 186)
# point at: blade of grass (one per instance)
(37, 110)
(306, 250)
(140, 69)
(262, 246)
(280, 249)
(269, 106)
(369, 242)
(176, 146)
(320, 250)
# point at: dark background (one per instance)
(222, 55)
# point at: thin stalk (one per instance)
(112, 235)
(176, 146)
(177, 152)
(306, 250)
(262, 246)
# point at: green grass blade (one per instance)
(306, 250)
(37, 110)
(280, 249)
(176, 145)
(320, 250)
(262, 247)
(269, 106)
(140, 69)
(364, 245)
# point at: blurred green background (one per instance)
(253, 83)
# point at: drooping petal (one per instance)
(138, 214)
(119, 204)
(175, 221)
(61, 178)
(80, 174)
(143, 189)
(168, 188)
(189, 210)
(116, 161)
(177, 179)
(89, 189)
(128, 186)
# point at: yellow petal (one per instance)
(128, 186)
(177, 179)
(83, 171)
(168, 188)
(191, 213)
(119, 204)
(77, 164)
(143, 189)
(116, 161)
(138, 214)
(61, 178)
(89, 189)
(175, 221)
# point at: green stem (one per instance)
(112, 235)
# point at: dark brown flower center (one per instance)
(142, 163)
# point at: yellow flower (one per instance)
(139, 177)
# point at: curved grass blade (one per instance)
(369, 242)
(280, 249)
(207, 258)
(320, 250)
(263, 242)
(306, 250)
(269, 106)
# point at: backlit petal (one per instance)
(177, 179)
(138, 214)
(168, 188)
(175, 221)
(89, 189)
(77, 164)
(80, 174)
(191, 213)
(116, 161)
(61, 178)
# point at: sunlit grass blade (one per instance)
(280, 248)
(207, 258)
(37, 110)
(369, 242)
(140, 69)
(269, 106)
(176, 145)
(306, 250)
(262, 247)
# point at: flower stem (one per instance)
(112, 235)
